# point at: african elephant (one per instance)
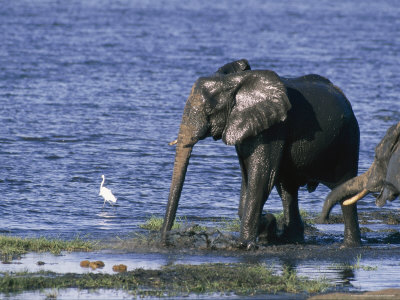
(382, 177)
(288, 132)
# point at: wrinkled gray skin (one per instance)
(391, 187)
(287, 133)
(382, 177)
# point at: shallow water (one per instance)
(73, 294)
(353, 273)
(98, 87)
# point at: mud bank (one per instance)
(208, 260)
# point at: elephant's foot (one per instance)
(347, 243)
(267, 230)
(322, 220)
(165, 239)
(248, 245)
(292, 234)
(247, 242)
(351, 240)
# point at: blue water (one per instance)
(98, 87)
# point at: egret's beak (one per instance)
(173, 142)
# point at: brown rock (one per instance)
(99, 263)
(85, 264)
(120, 268)
(96, 264)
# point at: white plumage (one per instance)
(106, 193)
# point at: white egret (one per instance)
(106, 193)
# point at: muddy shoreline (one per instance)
(380, 241)
(322, 249)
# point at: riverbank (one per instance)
(319, 265)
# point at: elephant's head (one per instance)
(374, 180)
(232, 107)
(391, 185)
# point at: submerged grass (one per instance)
(356, 266)
(241, 279)
(231, 225)
(13, 246)
(154, 224)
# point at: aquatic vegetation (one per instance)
(231, 225)
(154, 224)
(12, 246)
(356, 266)
(52, 294)
(241, 279)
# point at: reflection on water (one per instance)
(354, 271)
(106, 294)
(91, 88)
(69, 262)
(107, 220)
(98, 87)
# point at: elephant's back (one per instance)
(323, 126)
(321, 98)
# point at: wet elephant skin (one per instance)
(288, 132)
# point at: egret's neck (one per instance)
(101, 185)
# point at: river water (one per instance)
(98, 87)
(92, 87)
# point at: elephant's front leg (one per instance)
(257, 192)
(352, 234)
(293, 227)
(243, 190)
(260, 162)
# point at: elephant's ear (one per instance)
(388, 144)
(260, 102)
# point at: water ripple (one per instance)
(101, 90)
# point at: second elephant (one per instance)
(382, 177)
(288, 132)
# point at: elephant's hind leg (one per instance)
(293, 227)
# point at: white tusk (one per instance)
(355, 198)
(173, 142)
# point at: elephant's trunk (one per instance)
(183, 151)
(353, 188)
